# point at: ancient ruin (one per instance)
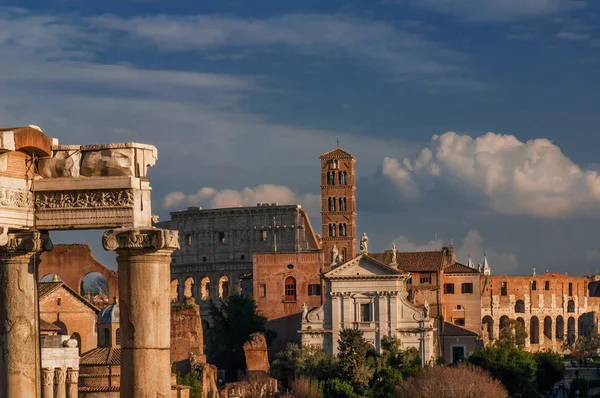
(45, 186)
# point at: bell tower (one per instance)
(338, 206)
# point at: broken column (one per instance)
(144, 266)
(20, 373)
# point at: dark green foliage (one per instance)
(191, 380)
(335, 388)
(515, 368)
(352, 354)
(303, 362)
(550, 369)
(393, 366)
(234, 320)
(580, 385)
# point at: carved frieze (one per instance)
(148, 238)
(84, 199)
(20, 198)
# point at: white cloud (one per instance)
(473, 244)
(531, 178)
(496, 10)
(266, 193)
(572, 36)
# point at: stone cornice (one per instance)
(19, 243)
(140, 238)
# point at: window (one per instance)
(331, 204)
(242, 257)
(460, 307)
(203, 259)
(570, 289)
(290, 266)
(106, 337)
(58, 301)
(425, 278)
(189, 239)
(224, 287)
(290, 289)
(459, 321)
(205, 288)
(221, 237)
(409, 281)
(332, 228)
(262, 290)
(342, 229)
(533, 285)
(331, 178)
(343, 204)
(520, 307)
(503, 288)
(547, 285)
(365, 313)
(466, 288)
(448, 288)
(343, 179)
(118, 337)
(314, 289)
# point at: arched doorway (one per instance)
(488, 327)
(571, 330)
(520, 338)
(534, 330)
(560, 327)
(503, 322)
(62, 326)
(548, 327)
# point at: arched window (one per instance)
(332, 228)
(118, 337)
(106, 337)
(503, 322)
(205, 288)
(571, 306)
(343, 204)
(520, 307)
(342, 229)
(290, 289)
(343, 179)
(520, 339)
(343, 255)
(224, 287)
(331, 178)
(332, 204)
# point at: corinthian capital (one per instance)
(16, 243)
(140, 238)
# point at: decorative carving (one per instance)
(84, 199)
(60, 375)
(364, 243)
(106, 162)
(15, 198)
(72, 376)
(149, 238)
(24, 242)
(47, 376)
(394, 254)
(62, 164)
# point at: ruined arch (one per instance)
(93, 283)
(534, 330)
(488, 327)
(520, 307)
(174, 290)
(503, 322)
(72, 262)
(571, 306)
(560, 327)
(548, 327)
(521, 339)
(571, 330)
(205, 288)
(224, 287)
(188, 288)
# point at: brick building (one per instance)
(554, 308)
(74, 315)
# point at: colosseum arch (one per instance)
(504, 320)
(488, 327)
(188, 288)
(520, 307)
(548, 327)
(521, 339)
(73, 262)
(560, 327)
(224, 287)
(174, 290)
(571, 330)
(205, 288)
(534, 330)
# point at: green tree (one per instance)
(352, 355)
(585, 346)
(513, 332)
(550, 369)
(234, 320)
(336, 388)
(303, 362)
(514, 367)
(393, 366)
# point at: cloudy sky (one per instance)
(474, 121)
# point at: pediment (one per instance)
(361, 267)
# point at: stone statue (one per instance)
(426, 309)
(364, 243)
(394, 253)
(304, 311)
(335, 255)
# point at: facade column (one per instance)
(144, 266)
(20, 362)
(47, 383)
(60, 378)
(72, 382)
(336, 320)
(496, 329)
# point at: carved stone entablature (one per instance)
(21, 243)
(84, 199)
(20, 198)
(147, 238)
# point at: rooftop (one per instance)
(101, 356)
(430, 261)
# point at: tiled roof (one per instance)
(101, 356)
(48, 327)
(45, 288)
(458, 268)
(337, 153)
(412, 261)
(99, 388)
(453, 330)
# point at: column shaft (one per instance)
(60, 387)
(72, 382)
(47, 383)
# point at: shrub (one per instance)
(306, 388)
(335, 388)
(465, 381)
(580, 385)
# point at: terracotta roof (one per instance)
(453, 330)
(412, 261)
(336, 153)
(99, 388)
(101, 356)
(45, 288)
(458, 268)
(48, 327)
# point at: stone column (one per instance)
(47, 383)
(20, 372)
(60, 378)
(72, 381)
(144, 266)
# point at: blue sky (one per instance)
(472, 120)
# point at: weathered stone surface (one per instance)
(257, 357)
(62, 164)
(144, 258)
(60, 379)
(107, 162)
(19, 342)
